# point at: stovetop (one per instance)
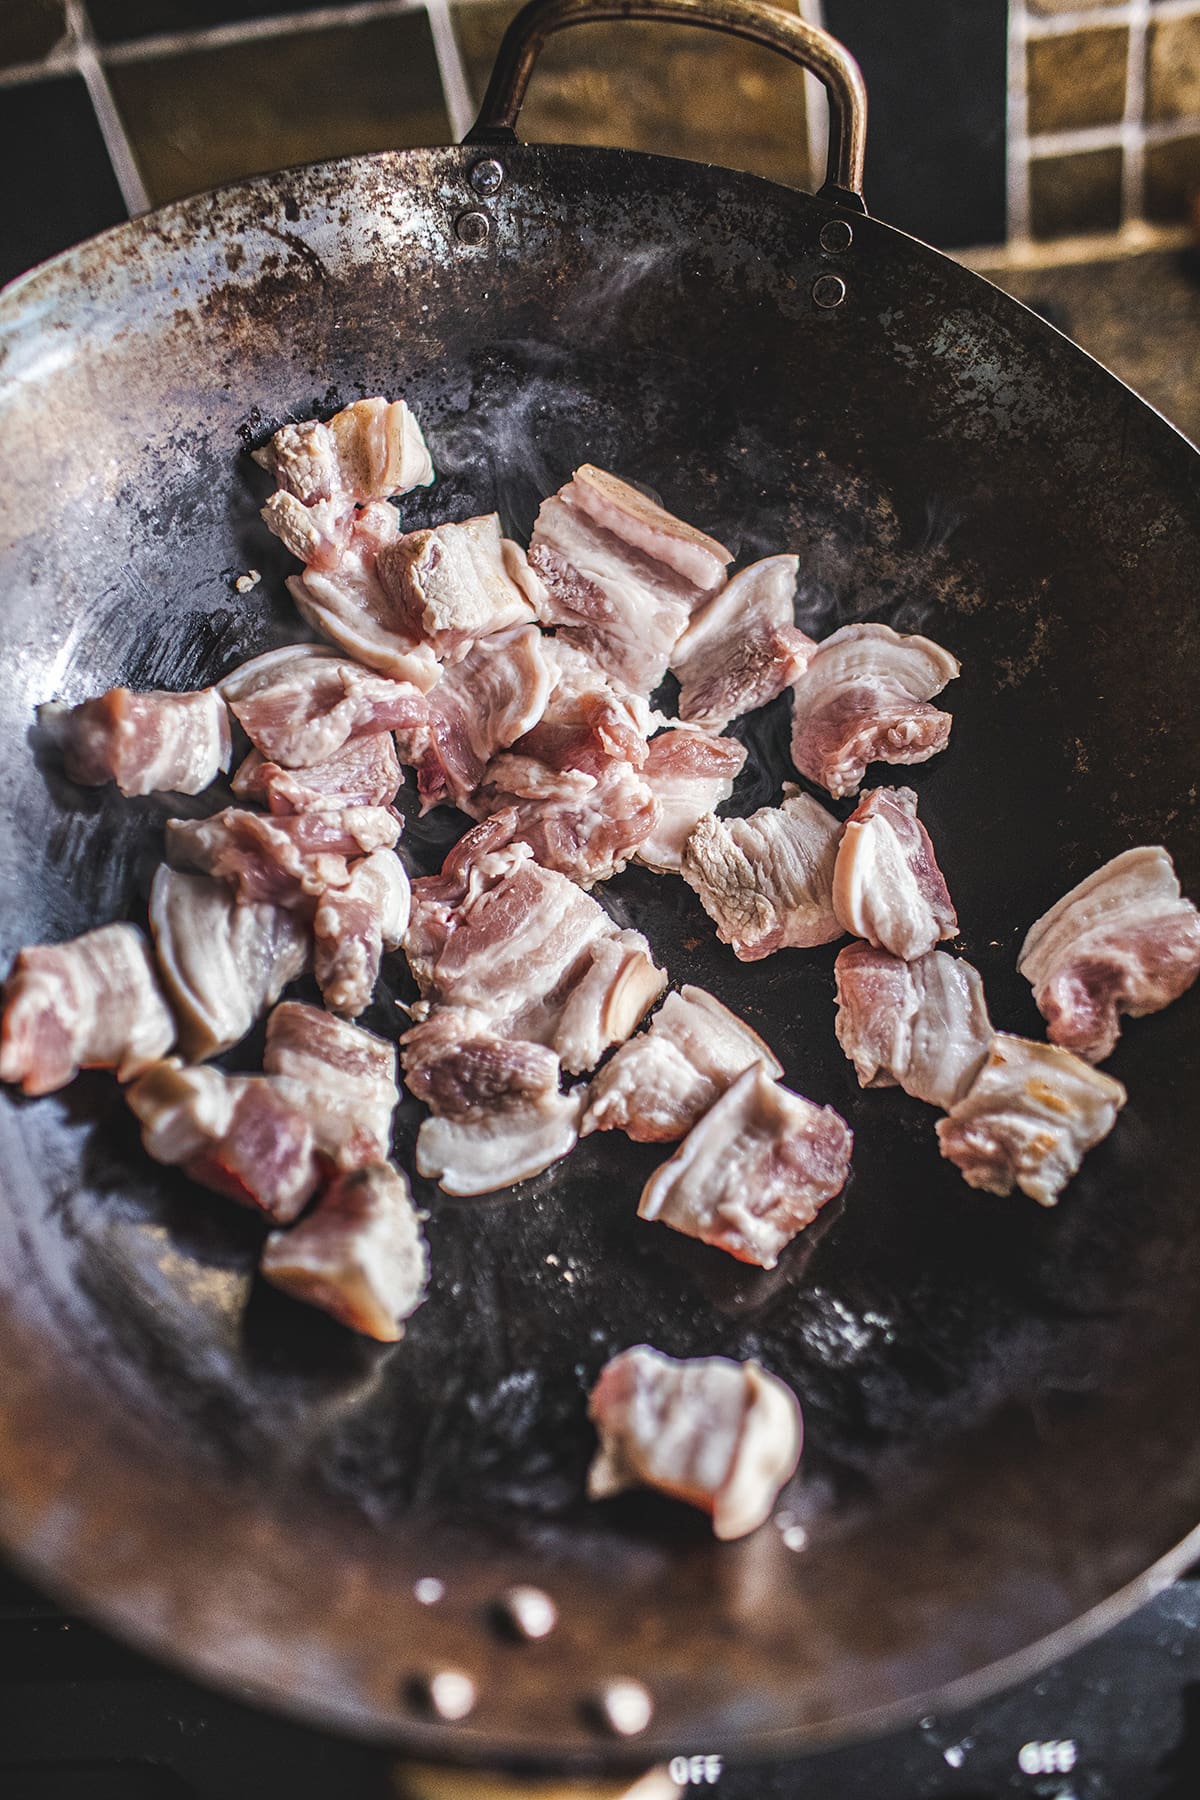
(83, 1718)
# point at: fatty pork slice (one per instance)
(371, 450)
(662, 1082)
(864, 698)
(340, 1077)
(722, 1436)
(481, 705)
(920, 1025)
(742, 648)
(1028, 1119)
(767, 881)
(222, 964)
(147, 743)
(586, 827)
(622, 575)
(236, 1134)
(341, 594)
(364, 772)
(887, 886)
(301, 704)
(359, 1255)
(588, 720)
(690, 773)
(288, 859)
(1123, 941)
(353, 926)
(91, 1003)
(452, 584)
(756, 1170)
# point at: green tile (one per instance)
(1172, 179)
(29, 29)
(1071, 195)
(213, 116)
(1173, 69)
(1077, 79)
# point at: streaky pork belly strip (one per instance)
(864, 698)
(494, 1149)
(359, 1255)
(1028, 1119)
(289, 859)
(661, 1083)
(767, 881)
(301, 704)
(91, 1003)
(720, 1435)
(364, 772)
(452, 584)
(755, 1170)
(887, 886)
(690, 773)
(1124, 940)
(147, 743)
(371, 450)
(222, 964)
(743, 647)
(341, 595)
(920, 1025)
(354, 924)
(342, 1078)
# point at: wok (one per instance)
(1003, 1443)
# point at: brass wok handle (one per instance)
(761, 23)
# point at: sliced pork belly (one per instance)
(743, 647)
(481, 705)
(1123, 941)
(586, 827)
(222, 964)
(622, 575)
(767, 881)
(661, 1083)
(360, 1255)
(722, 1436)
(371, 450)
(288, 859)
(757, 1169)
(689, 773)
(236, 1134)
(887, 886)
(147, 743)
(920, 1025)
(91, 1003)
(342, 1078)
(352, 927)
(864, 698)
(461, 1069)
(364, 772)
(587, 721)
(455, 583)
(1028, 1119)
(300, 705)
(497, 1148)
(342, 596)
(610, 999)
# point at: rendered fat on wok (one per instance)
(340, 1077)
(719, 1435)
(742, 647)
(453, 584)
(690, 773)
(146, 743)
(887, 886)
(1124, 940)
(301, 704)
(767, 881)
(920, 1025)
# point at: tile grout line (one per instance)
(1109, 137)
(456, 89)
(816, 105)
(1133, 128)
(1016, 129)
(112, 129)
(1106, 17)
(58, 62)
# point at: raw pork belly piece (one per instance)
(622, 575)
(371, 450)
(722, 1436)
(92, 1003)
(341, 595)
(359, 1255)
(1028, 1119)
(767, 881)
(481, 705)
(586, 827)
(920, 1025)
(757, 1169)
(660, 1083)
(689, 773)
(887, 886)
(364, 772)
(301, 704)
(147, 743)
(342, 1078)
(864, 698)
(455, 583)
(223, 964)
(587, 720)
(496, 1149)
(286, 858)
(1123, 941)
(743, 648)
(352, 927)
(236, 1134)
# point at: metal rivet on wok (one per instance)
(624, 1707)
(448, 1693)
(828, 290)
(527, 1612)
(472, 227)
(836, 235)
(487, 176)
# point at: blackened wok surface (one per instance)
(1002, 1428)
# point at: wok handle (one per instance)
(756, 20)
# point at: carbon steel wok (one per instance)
(1003, 1442)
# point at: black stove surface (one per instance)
(83, 1718)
